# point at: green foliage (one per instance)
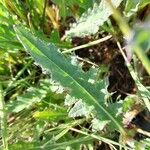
(68, 75)
(65, 6)
(50, 115)
(128, 103)
(141, 37)
(71, 143)
(23, 145)
(98, 125)
(133, 6)
(20, 10)
(36, 111)
(80, 109)
(30, 97)
(8, 39)
(90, 21)
(140, 43)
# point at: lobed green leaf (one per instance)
(68, 75)
(90, 21)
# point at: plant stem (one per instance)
(63, 9)
(3, 117)
(127, 33)
(110, 142)
(88, 44)
(44, 10)
(121, 22)
(142, 56)
(17, 76)
(143, 92)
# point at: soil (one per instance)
(107, 53)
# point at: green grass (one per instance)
(47, 100)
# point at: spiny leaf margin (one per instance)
(90, 21)
(68, 75)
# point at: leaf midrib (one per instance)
(73, 79)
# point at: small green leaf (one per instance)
(80, 109)
(128, 103)
(23, 145)
(51, 115)
(98, 125)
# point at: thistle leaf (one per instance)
(68, 75)
(80, 109)
(90, 21)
